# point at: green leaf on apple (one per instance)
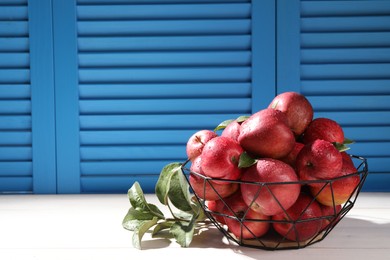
(348, 141)
(246, 160)
(342, 147)
(241, 119)
(223, 125)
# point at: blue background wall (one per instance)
(96, 94)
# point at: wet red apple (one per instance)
(319, 160)
(242, 221)
(278, 195)
(338, 191)
(300, 222)
(297, 108)
(208, 189)
(324, 129)
(267, 134)
(232, 130)
(197, 141)
(220, 158)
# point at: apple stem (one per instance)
(199, 140)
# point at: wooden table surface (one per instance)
(89, 227)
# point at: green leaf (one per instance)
(164, 181)
(348, 141)
(162, 226)
(241, 119)
(246, 161)
(141, 230)
(223, 125)
(183, 232)
(179, 192)
(341, 147)
(138, 201)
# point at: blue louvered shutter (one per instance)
(149, 74)
(27, 151)
(337, 53)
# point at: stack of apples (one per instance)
(298, 179)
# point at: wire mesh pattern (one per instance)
(272, 240)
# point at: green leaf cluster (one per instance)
(172, 190)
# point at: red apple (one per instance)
(242, 221)
(208, 189)
(319, 160)
(338, 191)
(297, 108)
(232, 130)
(220, 157)
(216, 206)
(197, 141)
(272, 198)
(331, 214)
(325, 129)
(291, 158)
(306, 212)
(267, 134)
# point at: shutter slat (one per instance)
(15, 138)
(145, 167)
(168, 106)
(117, 184)
(17, 44)
(16, 184)
(206, 90)
(377, 164)
(15, 91)
(358, 119)
(15, 153)
(114, 2)
(15, 168)
(15, 123)
(359, 134)
(172, 75)
(13, 13)
(164, 27)
(372, 149)
(345, 24)
(345, 39)
(165, 59)
(15, 107)
(14, 60)
(13, 28)
(157, 137)
(118, 122)
(356, 55)
(345, 87)
(15, 76)
(167, 43)
(166, 11)
(350, 103)
(155, 152)
(345, 71)
(344, 8)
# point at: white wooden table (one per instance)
(89, 227)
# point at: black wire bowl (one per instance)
(272, 240)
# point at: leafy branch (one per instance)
(172, 190)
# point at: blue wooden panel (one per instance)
(42, 97)
(342, 65)
(17, 107)
(15, 91)
(14, 76)
(16, 168)
(66, 96)
(81, 2)
(14, 60)
(15, 122)
(15, 153)
(16, 185)
(13, 12)
(15, 138)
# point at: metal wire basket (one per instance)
(272, 240)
